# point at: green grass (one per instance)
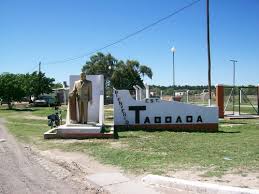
(159, 152)
(243, 109)
(45, 111)
(234, 148)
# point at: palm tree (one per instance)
(126, 75)
(145, 70)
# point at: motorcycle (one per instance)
(54, 120)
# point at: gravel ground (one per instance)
(24, 171)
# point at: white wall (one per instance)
(159, 108)
(97, 89)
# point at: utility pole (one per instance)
(173, 71)
(208, 46)
(39, 76)
(173, 51)
(234, 82)
(39, 67)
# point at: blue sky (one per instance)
(37, 30)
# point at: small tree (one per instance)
(38, 83)
(14, 87)
(11, 88)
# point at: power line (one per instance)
(125, 37)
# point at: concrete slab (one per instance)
(78, 128)
(104, 179)
(53, 134)
(116, 182)
(231, 125)
(231, 116)
(130, 187)
(196, 186)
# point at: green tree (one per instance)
(118, 74)
(39, 84)
(57, 85)
(101, 64)
(145, 70)
(126, 75)
(14, 87)
(11, 88)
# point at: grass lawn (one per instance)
(244, 109)
(234, 149)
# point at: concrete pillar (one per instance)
(101, 110)
(140, 92)
(147, 90)
(220, 99)
(137, 92)
(64, 96)
(187, 96)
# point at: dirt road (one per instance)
(24, 171)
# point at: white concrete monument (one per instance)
(95, 110)
(154, 113)
(95, 122)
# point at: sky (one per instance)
(46, 30)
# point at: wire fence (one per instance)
(241, 100)
(199, 97)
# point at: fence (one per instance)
(199, 97)
(237, 100)
(241, 100)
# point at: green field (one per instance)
(235, 148)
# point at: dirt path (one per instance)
(24, 171)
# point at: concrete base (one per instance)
(78, 131)
(116, 182)
(79, 128)
(241, 116)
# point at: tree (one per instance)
(39, 84)
(117, 73)
(127, 75)
(14, 87)
(145, 70)
(100, 64)
(11, 88)
(57, 85)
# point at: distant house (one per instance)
(62, 94)
(179, 93)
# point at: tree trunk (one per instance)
(10, 106)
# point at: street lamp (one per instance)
(173, 51)
(234, 82)
(234, 71)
